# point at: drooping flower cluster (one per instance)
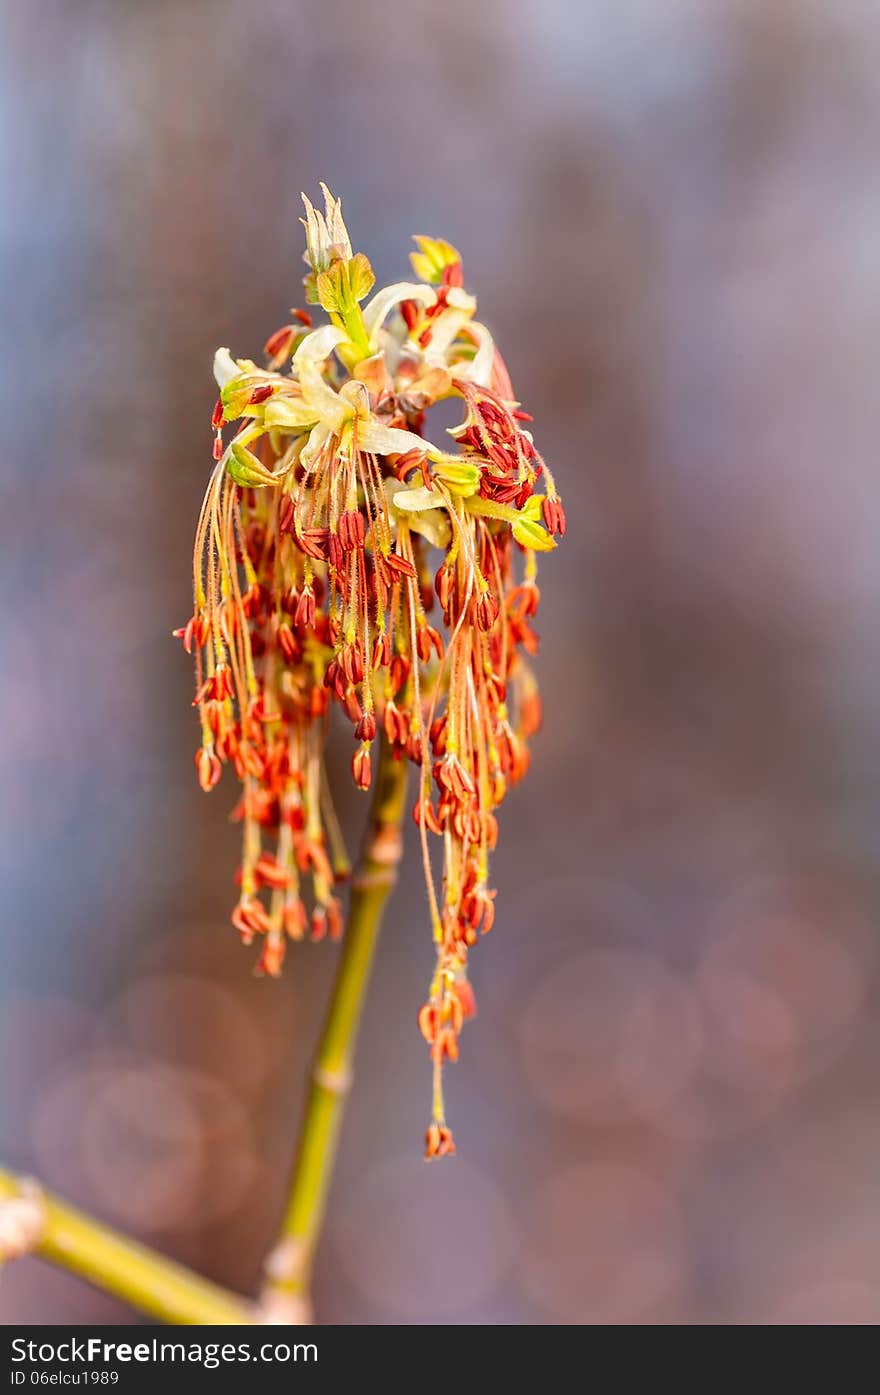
(342, 557)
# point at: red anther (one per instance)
(410, 312)
(294, 918)
(414, 747)
(451, 775)
(439, 1142)
(319, 701)
(271, 958)
(295, 817)
(223, 684)
(366, 727)
(254, 600)
(394, 725)
(217, 416)
(424, 808)
(279, 344)
(530, 714)
(464, 995)
(318, 928)
(381, 651)
(445, 1046)
(286, 516)
(554, 516)
(423, 644)
(351, 530)
(443, 583)
(208, 767)
(335, 922)
(186, 634)
(248, 761)
(289, 644)
(487, 611)
(409, 461)
(401, 565)
(453, 275)
(250, 918)
(425, 337)
(361, 767)
(314, 542)
(398, 672)
(305, 610)
(215, 688)
(520, 415)
(269, 873)
(523, 600)
(427, 1020)
(217, 448)
(437, 735)
(304, 318)
(352, 705)
(351, 662)
(260, 394)
(228, 618)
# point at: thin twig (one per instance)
(289, 1266)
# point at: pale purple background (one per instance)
(668, 1107)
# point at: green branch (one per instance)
(289, 1266)
(130, 1271)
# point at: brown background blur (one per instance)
(668, 1107)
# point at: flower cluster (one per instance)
(343, 558)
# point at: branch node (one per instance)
(22, 1220)
(335, 1082)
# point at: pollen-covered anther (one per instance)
(217, 687)
(250, 918)
(487, 611)
(289, 644)
(269, 873)
(361, 767)
(366, 727)
(335, 921)
(451, 775)
(427, 1020)
(554, 516)
(394, 724)
(381, 651)
(208, 767)
(402, 565)
(195, 633)
(271, 958)
(523, 601)
(423, 811)
(304, 619)
(445, 1047)
(294, 918)
(439, 1142)
(352, 530)
(413, 460)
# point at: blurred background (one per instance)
(668, 1108)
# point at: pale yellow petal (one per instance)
(380, 307)
(225, 367)
(319, 344)
(388, 440)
